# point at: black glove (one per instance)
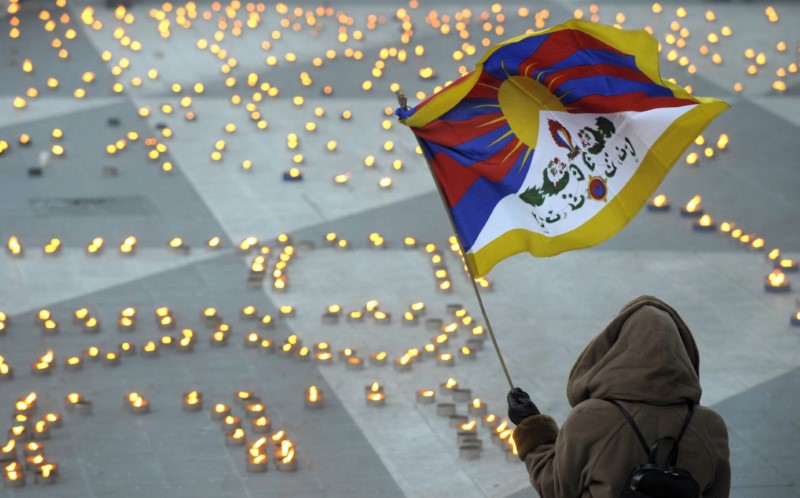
(520, 406)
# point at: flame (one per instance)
(705, 221)
(52, 417)
(278, 436)
(74, 398)
(404, 359)
(4, 369)
(375, 387)
(758, 243)
(430, 348)
(427, 393)
(230, 420)
(505, 434)
(286, 347)
(259, 458)
(476, 403)
(74, 360)
(660, 200)
(468, 426)
(375, 396)
(693, 204)
(445, 356)
(381, 356)
(451, 383)
(788, 263)
(13, 475)
(490, 418)
(137, 403)
(18, 430)
(726, 227)
(500, 428)
(776, 278)
(12, 466)
(287, 447)
(40, 426)
(238, 433)
(38, 459)
(465, 350)
(9, 447)
(313, 394)
(220, 408)
(774, 254)
(289, 457)
(418, 306)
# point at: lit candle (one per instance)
(150, 350)
(244, 398)
(376, 399)
(693, 208)
(466, 353)
(14, 476)
(323, 358)
(127, 349)
(75, 403)
(447, 386)
(252, 340)
(403, 364)
(220, 411)
(91, 325)
(229, 423)
(45, 474)
(137, 404)
(354, 363)
(256, 463)
(111, 359)
(219, 339)
(704, 224)
(32, 448)
(53, 420)
(777, 282)
(8, 453)
(284, 458)
(40, 431)
(267, 346)
(658, 203)
(445, 360)
(786, 265)
(236, 437)
(261, 425)
(426, 396)
(379, 359)
(192, 401)
(314, 398)
(255, 410)
(346, 353)
(6, 372)
(477, 408)
(92, 353)
(467, 432)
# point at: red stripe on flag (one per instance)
(456, 179)
(452, 134)
(636, 101)
(559, 77)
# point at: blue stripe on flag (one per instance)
(473, 210)
(475, 150)
(511, 56)
(607, 86)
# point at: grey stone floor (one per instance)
(750, 352)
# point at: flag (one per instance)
(556, 140)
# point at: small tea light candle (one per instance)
(111, 359)
(236, 437)
(466, 353)
(32, 448)
(255, 410)
(346, 353)
(127, 349)
(249, 313)
(354, 363)
(445, 409)
(704, 224)
(256, 463)
(693, 208)
(45, 474)
(261, 425)
(192, 401)
(445, 360)
(376, 399)
(403, 364)
(229, 423)
(92, 354)
(267, 322)
(8, 453)
(457, 420)
(323, 358)
(19, 432)
(786, 265)
(244, 398)
(467, 432)
(477, 408)
(75, 403)
(410, 319)
(355, 316)
(777, 282)
(150, 350)
(284, 458)
(379, 359)
(252, 340)
(658, 203)
(126, 324)
(469, 451)
(91, 326)
(40, 431)
(73, 363)
(54, 420)
(257, 447)
(426, 396)
(447, 386)
(137, 404)
(267, 346)
(285, 350)
(314, 398)
(303, 354)
(375, 387)
(219, 339)
(13, 477)
(220, 411)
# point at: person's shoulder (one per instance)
(597, 414)
(710, 421)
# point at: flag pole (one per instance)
(403, 103)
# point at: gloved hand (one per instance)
(520, 406)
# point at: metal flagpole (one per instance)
(403, 102)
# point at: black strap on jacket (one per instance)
(651, 450)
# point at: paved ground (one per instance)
(544, 311)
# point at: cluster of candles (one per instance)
(470, 445)
(24, 452)
(776, 281)
(235, 435)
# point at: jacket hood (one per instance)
(645, 354)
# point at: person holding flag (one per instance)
(554, 143)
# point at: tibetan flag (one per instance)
(556, 140)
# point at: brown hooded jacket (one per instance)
(647, 359)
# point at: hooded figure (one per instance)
(646, 359)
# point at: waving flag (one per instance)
(556, 140)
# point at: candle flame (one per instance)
(48, 357)
(451, 383)
(381, 356)
(375, 387)
(313, 394)
(776, 278)
(238, 433)
(11, 467)
(774, 254)
(278, 436)
(758, 243)
(9, 447)
(374, 396)
(286, 447)
(40, 426)
(660, 200)
(427, 393)
(468, 426)
(289, 457)
(476, 403)
(74, 398)
(465, 350)
(259, 458)
(500, 428)
(445, 356)
(220, 408)
(404, 359)
(693, 204)
(505, 434)
(705, 221)
(726, 227)
(788, 263)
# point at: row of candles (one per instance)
(24, 441)
(775, 282)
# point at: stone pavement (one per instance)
(750, 352)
